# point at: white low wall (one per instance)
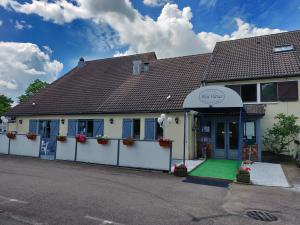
(145, 154)
(22, 146)
(4, 142)
(66, 150)
(92, 152)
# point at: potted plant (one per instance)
(31, 136)
(180, 170)
(11, 135)
(102, 140)
(81, 138)
(128, 141)
(165, 142)
(61, 138)
(243, 175)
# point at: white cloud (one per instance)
(171, 34)
(1, 23)
(208, 3)
(21, 63)
(20, 25)
(154, 3)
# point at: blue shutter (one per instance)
(54, 128)
(127, 128)
(150, 129)
(72, 128)
(98, 127)
(33, 126)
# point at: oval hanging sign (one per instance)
(211, 96)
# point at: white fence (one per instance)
(4, 144)
(142, 154)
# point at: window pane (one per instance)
(236, 88)
(269, 92)
(136, 129)
(159, 130)
(90, 128)
(82, 127)
(288, 91)
(249, 93)
(249, 131)
(233, 135)
(220, 132)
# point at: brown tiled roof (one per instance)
(108, 86)
(253, 58)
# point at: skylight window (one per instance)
(283, 48)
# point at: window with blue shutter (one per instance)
(33, 126)
(150, 128)
(98, 128)
(72, 127)
(127, 128)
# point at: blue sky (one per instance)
(184, 27)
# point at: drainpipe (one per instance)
(184, 136)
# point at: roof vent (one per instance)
(283, 48)
(137, 67)
(81, 63)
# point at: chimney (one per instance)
(81, 63)
(137, 67)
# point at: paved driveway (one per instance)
(34, 191)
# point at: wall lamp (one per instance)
(176, 120)
(20, 121)
(111, 120)
(63, 121)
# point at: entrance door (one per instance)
(226, 139)
(220, 142)
(233, 140)
(48, 129)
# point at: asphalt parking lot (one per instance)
(40, 192)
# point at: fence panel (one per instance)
(4, 142)
(22, 146)
(92, 152)
(66, 150)
(145, 154)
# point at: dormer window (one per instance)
(283, 48)
(146, 67)
(137, 67)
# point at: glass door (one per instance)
(220, 134)
(233, 140)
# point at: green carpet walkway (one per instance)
(217, 168)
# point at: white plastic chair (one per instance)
(44, 147)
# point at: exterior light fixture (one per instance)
(62, 121)
(111, 120)
(176, 120)
(20, 121)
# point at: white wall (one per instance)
(4, 142)
(144, 154)
(92, 152)
(66, 150)
(22, 146)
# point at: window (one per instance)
(159, 131)
(86, 127)
(283, 48)
(268, 92)
(248, 92)
(288, 91)
(249, 132)
(136, 128)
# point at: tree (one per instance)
(32, 89)
(283, 133)
(5, 104)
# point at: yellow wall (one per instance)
(173, 131)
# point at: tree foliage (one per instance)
(32, 89)
(5, 104)
(283, 133)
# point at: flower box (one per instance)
(128, 142)
(80, 138)
(61, 138)
(11, 135)
(165, 143)
(31, 136)
(243, 175)
(180, 171)
(102, 141)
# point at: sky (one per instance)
(44, 39)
